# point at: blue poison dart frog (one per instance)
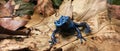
(66, 25)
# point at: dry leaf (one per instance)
(4, 11)
(35, 19)
(2, 1)
(9, 5)
(85, 9)
(10, 23)
(13, 24)
(44, 7)
(114, 11)
(66, 9)
(7, 9)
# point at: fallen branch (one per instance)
(10, 32)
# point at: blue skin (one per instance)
(66, 24)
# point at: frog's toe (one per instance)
(87, 31)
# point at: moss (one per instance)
(26, 8)
(115, 2)
(57, 3)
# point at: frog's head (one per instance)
(62, 21)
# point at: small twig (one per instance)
(8, 17)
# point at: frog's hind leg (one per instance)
(79, 35)
(85, 26)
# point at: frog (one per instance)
(66, 24)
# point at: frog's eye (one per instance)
(56, 22)
(61, 17)
(64, 20)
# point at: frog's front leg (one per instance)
(53, 37)
(85, 26)
(79, 35)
